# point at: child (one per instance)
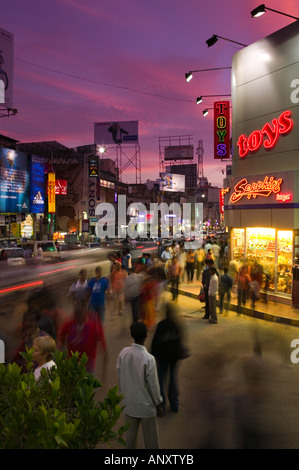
(43, 348)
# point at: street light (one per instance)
(199, 99)
(189, 75)
(261, 9)
(211, 41)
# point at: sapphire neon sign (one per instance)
(268, 136)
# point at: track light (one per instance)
(211, 41)
(261, 9)
(189, 76)
(199, 99)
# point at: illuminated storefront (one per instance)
(272, 249)
(261, 198)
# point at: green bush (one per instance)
(60, 410)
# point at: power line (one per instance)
(120, 87)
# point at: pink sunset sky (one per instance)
(77, 62)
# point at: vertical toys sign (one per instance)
(221, 130)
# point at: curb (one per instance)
(249, 312)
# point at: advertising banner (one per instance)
(93, 165)
(61, 187)
(37, 185)
(6, 68)
(51, 193)
(110, 133)
(14, 181)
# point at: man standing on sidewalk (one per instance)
(138, 381)
(213, 289)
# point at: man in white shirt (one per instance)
(213, 289)
(138, 381)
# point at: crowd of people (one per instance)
(147, 378)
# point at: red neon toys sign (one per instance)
(271, 131)
(221, 129)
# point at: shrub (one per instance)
(60, 410)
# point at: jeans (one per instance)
(173, 391)
(221, 299)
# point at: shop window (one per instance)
(260, 248)
(238, 241)
(284, 261)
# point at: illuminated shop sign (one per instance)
(221, 129)
(252, 190)
(268, 136)
(51, 193)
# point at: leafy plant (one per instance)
(59, 411)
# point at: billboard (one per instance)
(179, 152)
(171, 182)
(116, 132)
(37, 185)
(6, 68)
(221, 130)
(14, 181)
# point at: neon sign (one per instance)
(252, 190)
(221, 129)
(281, 126)
(284, 197)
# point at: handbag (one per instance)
(183, 352)
(201, 295)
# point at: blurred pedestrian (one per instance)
(242, 281)
(30, 330)
(138, 381)
(190, 265)
(225, 287)
(43, 301)
(79, 288)
(200, 260)
(174, 271)
(83, 333)
(213, 290)
(43, 349)
(117, 282)
(205, 280)
(133, 289)
(166, 347)
(3, 259)
(126, 261)
(149, 298)
(97, 287)
(166, 254)
(216, 253)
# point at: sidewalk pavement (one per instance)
(270, 311)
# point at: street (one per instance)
(239, 377)
(238, 388)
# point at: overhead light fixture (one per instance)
(261, 9)
(189, 75)
(199, 99)
(205, 112)
(211, 41)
